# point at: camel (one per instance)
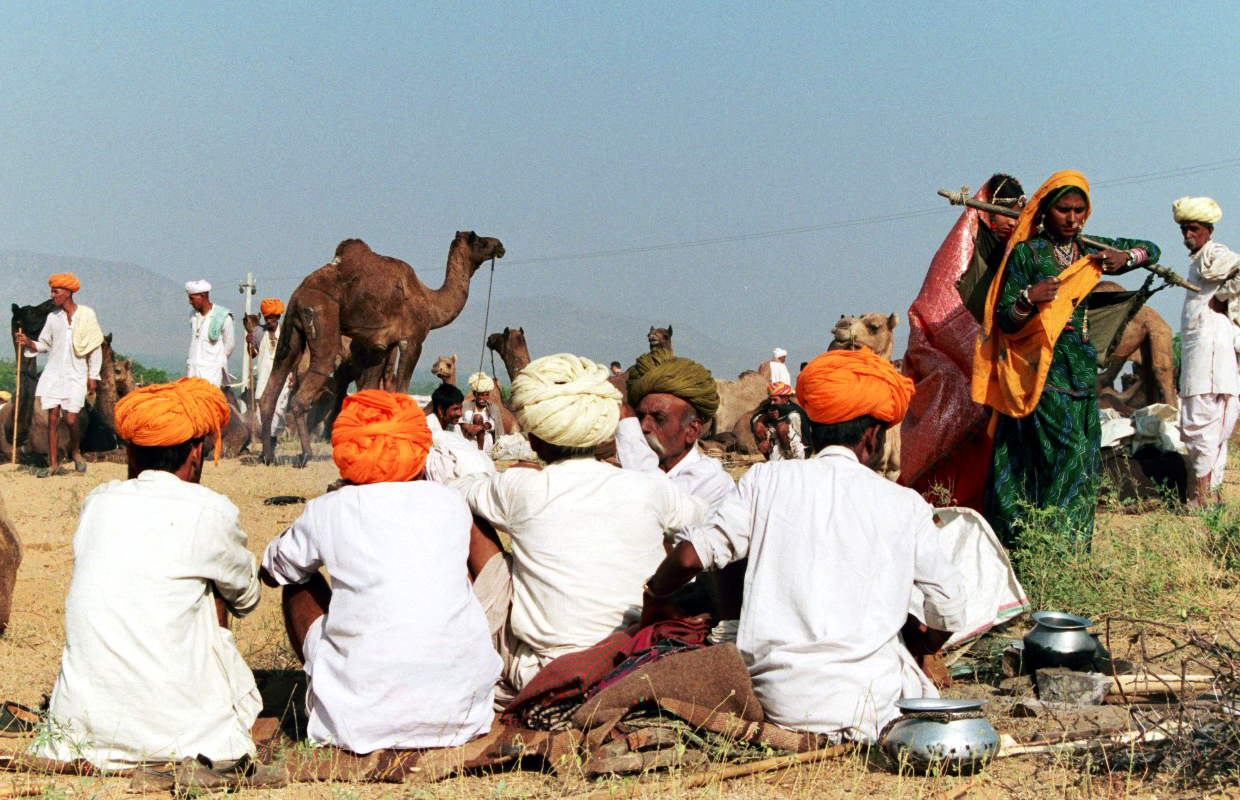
(873, 330)
(29, 320)
(444, 369)
(381, 305)
(660, 337)
(1146, 341)
(512, 349)
(10, 560)
(738, 400)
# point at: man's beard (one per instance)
(656, 445)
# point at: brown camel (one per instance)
(660, 337)
(381, 305)
(873, 330)
(512, 349)
(738, 400)
(444, 369)
(1147, 342)
(10, 560)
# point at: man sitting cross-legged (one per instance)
(150, 671)
(584, 533)
(835, 551)
(397, 650)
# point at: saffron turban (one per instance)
(481, 382)
(780, 352)
(380, 437)
(197, 287)
(779, 389)
(65, 280)
(5, 396)
(165, 414)
(659, 372)
(842, 385)
(1196, 209)
(271, 305)
(566, 400)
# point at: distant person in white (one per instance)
(71, 337)
(211, 336)
(584, 534)
(1209, 378)
(835, 552)
(777, 369)
(264, 354)
(150, 671)
(480, 418)
(452, 455)
(397, 649)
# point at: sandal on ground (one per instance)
(15, 718)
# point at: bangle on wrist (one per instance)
(646, 590)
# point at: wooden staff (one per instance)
(962, 198)
(17, 400)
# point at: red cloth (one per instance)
(943, 439)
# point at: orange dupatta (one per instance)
(1009, 371)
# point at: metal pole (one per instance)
(247, 366)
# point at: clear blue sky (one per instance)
(205, 139)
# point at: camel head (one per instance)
(444, 369)
(122, 368)
(872, 330)
(660, 337)
(29, 320)
(511, 340)
(479, 249)
(250, 322)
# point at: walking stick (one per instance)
(962, 198)
(17, 401)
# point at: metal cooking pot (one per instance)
(1059, 640)
(942, 734)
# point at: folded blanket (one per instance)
(87, 335)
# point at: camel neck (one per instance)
(448, 300)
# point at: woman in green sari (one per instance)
(1049, 457)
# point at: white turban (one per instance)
(1196, 209)
(197, 287)
(566, 400)
(780, 352)
(481, 382)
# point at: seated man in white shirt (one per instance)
(584, 534)
(150, 672)
(446, 403)
(835, 551)
(397, 649)
(480, 419)
(452, 455)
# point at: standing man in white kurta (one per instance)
(835, 552)
(1209, 378)
(72, 338)
(777, 369)
(211, 336)
(264, 354)
(150, 671)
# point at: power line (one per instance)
(1131, 180)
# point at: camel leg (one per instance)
(1160, 362)
(408, 361)
(313, 383)
(288, 354)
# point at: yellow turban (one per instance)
(566, 400)
(481, 382)
(1196, 209)
(380, 437)
(659, 372)
(165, 414)
(5, 396)
(271, 305)
(842, 385)
(65, 280)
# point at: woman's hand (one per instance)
(1044, 291)
(1111, 260)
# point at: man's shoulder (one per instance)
(164, 484)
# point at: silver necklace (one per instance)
(1065, 254)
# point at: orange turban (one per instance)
(842, 385)
(164, 414)
(779, 389)
(271, 305)
(380, 436)
(64, 280)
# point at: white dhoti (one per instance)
(1206, 423)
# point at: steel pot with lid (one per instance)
(1059, 640)
(940, 734)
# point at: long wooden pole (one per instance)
(17, 400)
(963, 199)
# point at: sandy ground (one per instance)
(45, 513)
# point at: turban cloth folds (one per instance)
(271, 305)
(842, 385)
(778, 389)
(566, 400)
(1196, 209)
(659, 372)
(380, 437)
(1009, 371)
(166, 414)
(779, 352)
(197, 287)
(481, 382)
(64, 280)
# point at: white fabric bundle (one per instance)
(1196, 209)
(566, 400)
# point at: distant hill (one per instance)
(148, 316)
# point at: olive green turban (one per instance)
(660, 372)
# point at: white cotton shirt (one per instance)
(404, 658)
(779, 372)
(453, 456)
(491, 414)
(207, 359)
(1208, 353)
(147, 673)
(835, 551)
(585, 537)
(65, 374)
(697, 474)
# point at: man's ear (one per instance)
(194, 460)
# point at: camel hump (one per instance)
(351, 248)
